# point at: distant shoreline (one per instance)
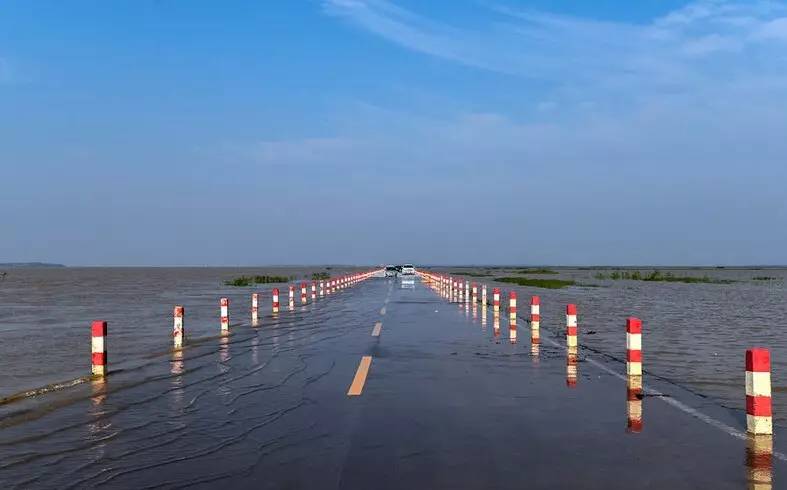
(37, 265)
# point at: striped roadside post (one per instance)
(571, 325)
(255, 308)
(634, 346)
(314, 290)
(303, 293)
(275, 300)
(224, 314)
(475, 293)
(177, 326)
(322, 289)
(512, 315)
(467, 291)
(98, 342)
(496, 300)
(483, 295)
(759, 419)
(291, 302)
(535, 319)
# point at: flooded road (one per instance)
(446, 401)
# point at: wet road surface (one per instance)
(444, 401)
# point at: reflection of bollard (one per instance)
(496, 325)
(634, 394)
(303, 293)
(483, 317)
(475, 293)
(571, 325)
(275, 300)
(535, 350)
(634, 346)
(758, 392)
(496, 300)
(177, 326)
(255, 304)
(572, 355)
(224, 306)
(483, 295)
(98, 332)
(535, 319)
(759, 461)
(512, 315)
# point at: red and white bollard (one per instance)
(535, 319)
(98, 331)
(314, 290)
(303, 293)
(255, 308)
(634, 346)
(571, 325)
(512, 315)
(475, 293)
(177, 326)
(496, 300)
(322, 289)
(275, 300)
(759, 418)
(467, 291)
(292, 295)
(483, 295)
(224, 306)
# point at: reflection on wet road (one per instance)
(437, 400)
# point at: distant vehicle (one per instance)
(408, 270)
(391, 271)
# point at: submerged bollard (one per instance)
(483, 295)
(535, 319)
(634, 346)
(292, 294)
(177, 326)
(496, 300)
(322, 289)
(512, 315)
(467, 291)
(98, 332)
(314, 290)
(303, 293)
(475, 293)
(571, 325)
(759, 419)
(275, 300)
(224, 305)
(255, 303)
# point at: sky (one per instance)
(372, 131)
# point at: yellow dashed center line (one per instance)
(377, 327)
(356, 388)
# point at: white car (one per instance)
(408, 270)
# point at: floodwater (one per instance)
(694, 335)
(449, 403)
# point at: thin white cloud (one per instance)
(701, 43)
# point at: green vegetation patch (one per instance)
(658, 276)
(539, 270)
(537, 283)
(471, 274)
(244, 281)
(319, 276)
(764, 278)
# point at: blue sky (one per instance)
(351, 131)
